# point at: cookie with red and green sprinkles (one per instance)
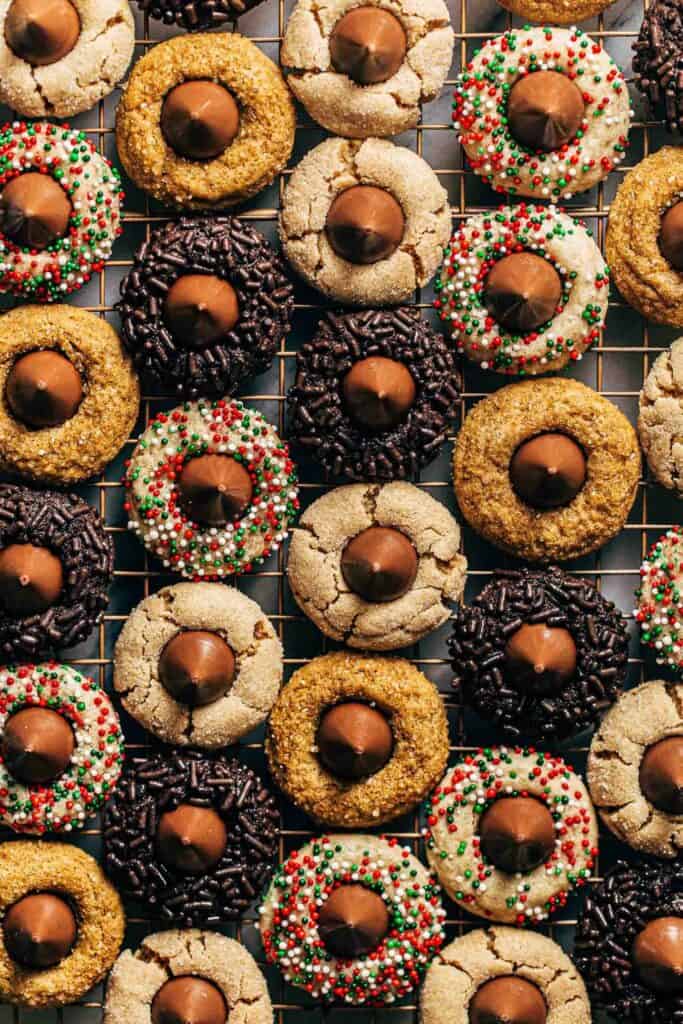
(660, 599)
(60, 210)
(61, 748)
(354, 919)
(507, 310)
(542, 112)
(510, 832)
(211, 489)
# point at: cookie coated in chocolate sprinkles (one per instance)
(194, 15)
(72, 530)
(615, 912)
(482, 630)
(319, 421)
(152, 786)
(658, 61)
(224, 247)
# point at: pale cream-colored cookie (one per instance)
(346, 107)
(660, 419)
(320, 589)
(336, 165)
(556, 12)
(640, 719)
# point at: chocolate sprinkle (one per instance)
(71, 529)
(658, 61)
(194, 15)
(481, 632)
(151, 786)
(615, 912)
(227, 248)
(319, 422)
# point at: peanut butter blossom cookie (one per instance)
(542, 112)
(56, 564)
(61, 747)
(192, 837)
(510, 832)
(629, 944)
(660, 418)
(211, 489)
(352, 919)
(660, 599)
(206, 304)
(196, 14)
(523, 290)
(374, 394)
(539, 653)
(60, 206)
(658, 61)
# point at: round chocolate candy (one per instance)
(42, 31)
(368, 44)
(199, 119)
(37, 745)
(379, 564)
(40, 930)
(540, 659)
(661, 775)
(545, 110)
(354, 740)
(34, 210)
(353, 921)
(548, 471)
(44, 389)
(197, 667)
(658, 955)
(671, 236)
(379, 392)
(508, 1000)
(364, 224)
(517, 834)
(201, 309)
(189, 1000)
(191, 839)
(214, 489)
(31, 580)
(522, 291)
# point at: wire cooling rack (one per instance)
(616, 367)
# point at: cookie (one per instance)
(352, 919)
(515, 139)
(66, 63)
(190, 836)
(546, 469)
(48, 255)
(657, 62)
(635, 769)
(500, 973)
(357, 741)
(374, 395)
(660, 418)
(175, 972)
(196, 14)
(373, 566)
(365, 70)
(63, 924)
(56, 564)
(539, 653)
(70, 397)
(364, 222)
(563, 12)
(211, 489)
(660, 606)
(205, 122)
(628, 943)
(523, 290)
(206, 304)
(198, 664)
(642, 243)
(510, 832)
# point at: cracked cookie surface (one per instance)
(556, 12)
(347, 108)
(336, 165)
(660, 419)
(316, 578)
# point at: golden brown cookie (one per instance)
(603, 440)
(259, 150)
(556, 12)
(298, 748)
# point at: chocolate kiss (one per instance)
(197, 667)
(354, 740)
(42, 32)
(353, 921)
(34, 210)
(31, 580)
(658, 955)
(661, 775)
(191, 839)
(379, 564)
(517, 834)
(379, 392)
(37, 745)
(39, 931)
(540, 659)
(522, 291)
(671, 236)
(545, 110)
(189, 1000)
(508, 999)
(368, 44)
(214, 489)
